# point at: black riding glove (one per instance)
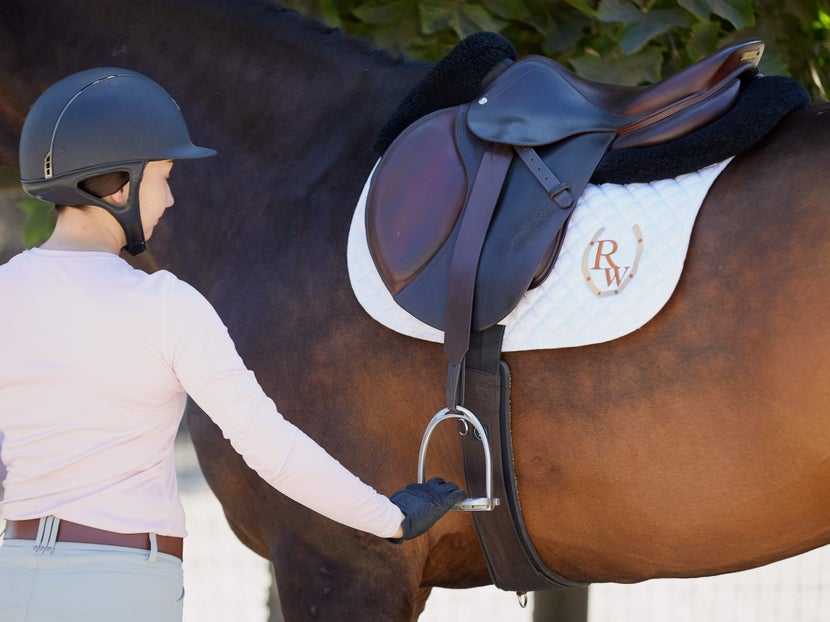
(424, 504)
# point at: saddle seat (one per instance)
(543, 102)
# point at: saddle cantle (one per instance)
(437, 174)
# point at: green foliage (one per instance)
(622, 41)
(40, 220)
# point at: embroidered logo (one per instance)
(609, 267)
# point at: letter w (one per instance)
(612, 272)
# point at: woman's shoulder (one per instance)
(168, 283)
(179, 293)
(17, 265)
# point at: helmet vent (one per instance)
(47, 166)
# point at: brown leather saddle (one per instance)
(467, 207)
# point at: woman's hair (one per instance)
(106, 184)
(102, 185)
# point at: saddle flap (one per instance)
(520, 235)
(415, 200)
(534, 103)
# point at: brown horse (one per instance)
(697, 445)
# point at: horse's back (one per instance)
(698, 444)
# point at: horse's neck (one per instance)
(280, 97)
(201, 49)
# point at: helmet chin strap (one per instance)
(130, 219)
(129, 214)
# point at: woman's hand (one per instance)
(423, 504)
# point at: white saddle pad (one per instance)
(619, 264)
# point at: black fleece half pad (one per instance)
(457, 79)
(762, 103)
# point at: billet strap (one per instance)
(511, 558)
(557, 191)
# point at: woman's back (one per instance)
(92, 402)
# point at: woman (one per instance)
(96, 364)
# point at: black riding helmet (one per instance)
(98, 121)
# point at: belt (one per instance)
(74, 532)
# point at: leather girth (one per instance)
(511, 558)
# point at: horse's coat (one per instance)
(697, 445)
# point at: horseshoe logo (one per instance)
(604, 275)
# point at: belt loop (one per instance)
(47, 534)
(154, 548)
(41, 527)
(53, 535)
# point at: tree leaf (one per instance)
(392, 23)
(631, 70)
(618, 11)
(507, 9)
(773, 64)
(703, 40)
(584, 7)
(562, 31)
(380, 12)
(650, 25)
(739, 13)
(330, 14)
(472, 18)
(434, 16)
(462, 18)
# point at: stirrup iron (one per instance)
(467, 419)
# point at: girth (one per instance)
(511, 558)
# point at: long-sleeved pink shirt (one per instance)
(96, 360)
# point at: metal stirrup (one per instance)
(471, 504)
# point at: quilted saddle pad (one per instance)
(620, 262)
